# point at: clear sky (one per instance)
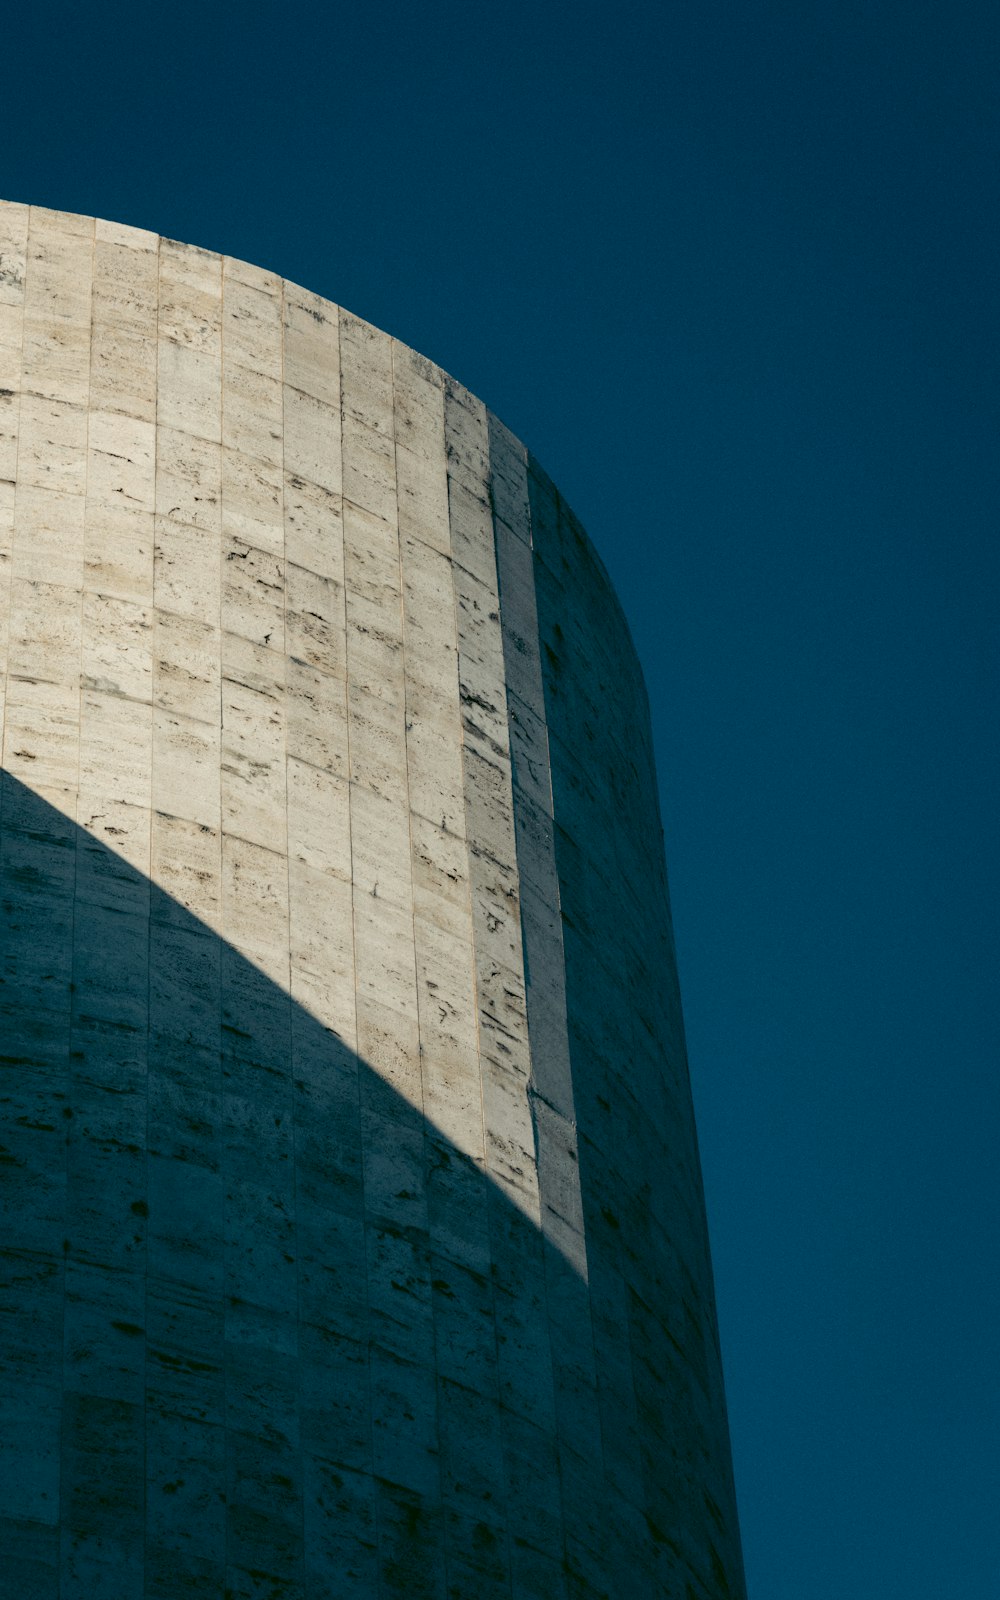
(731, 271)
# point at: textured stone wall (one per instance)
(353, 1241)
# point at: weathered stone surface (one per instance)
(351, 1232)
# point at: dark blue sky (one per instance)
(731, 271)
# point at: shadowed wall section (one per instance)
(353, 1239)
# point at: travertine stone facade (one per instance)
(352, 1241)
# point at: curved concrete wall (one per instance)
(353, 1240)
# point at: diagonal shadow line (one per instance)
(266, 1332)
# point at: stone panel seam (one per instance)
(503, 1454)
(474, 964)
(74, 988)
(13, 502)
(72, 916)
(293, 1103)
(354, 968)
(413, 926)
(222, 924)
(149, 919)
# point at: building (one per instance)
(353, 1239)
